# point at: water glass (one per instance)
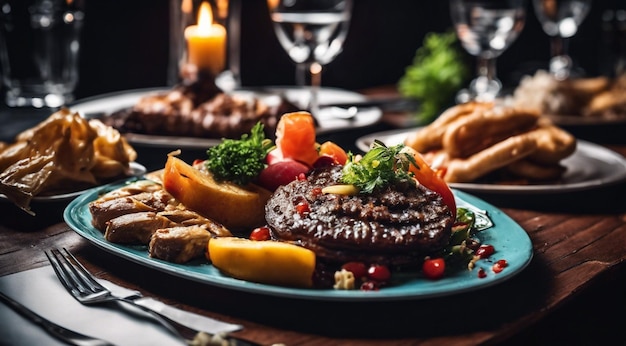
(39, 51)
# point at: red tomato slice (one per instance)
(429, 178)
(335, 151)
(295, 137)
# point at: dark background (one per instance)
(125, 45)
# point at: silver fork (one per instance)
(85, 289)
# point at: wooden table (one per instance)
(573, 292)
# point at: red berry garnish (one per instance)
(485, 251)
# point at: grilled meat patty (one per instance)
(395, 226)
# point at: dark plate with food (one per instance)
(53, 162)
(590, 166)
(591, 108)
(206, 125)
(47, 208)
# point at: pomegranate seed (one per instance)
(485, 251)
(301, 176)
(260, 233)
(303, 208)
(316, 191)
(481, 273)
(370, 286)
(499, 266)
(378, 273)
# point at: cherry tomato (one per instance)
(260, 234)
(434, 268)
(358, 269)
(379, 273)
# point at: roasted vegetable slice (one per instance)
(267, 261)
(234, 206)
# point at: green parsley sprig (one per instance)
(379, 167)
(240, 160)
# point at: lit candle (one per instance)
(206, 42)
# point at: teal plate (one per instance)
(509, 239)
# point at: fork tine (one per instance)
(60, 272)
(69, 275)
(83, 273)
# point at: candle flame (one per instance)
(205, 18)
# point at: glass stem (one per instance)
(486, 86)
(561, 63)
(316, 82)
(486, 68)
(300, 74)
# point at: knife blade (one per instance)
(69, 336)
(185, 318)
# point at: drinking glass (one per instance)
(312, 32)
(486, 28)
(39, 51)
(560, 19)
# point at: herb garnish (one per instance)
(435, 75)
(240, 160)
(379, 167)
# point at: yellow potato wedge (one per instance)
(268, 262)
(236, 207)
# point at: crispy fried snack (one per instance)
(475, 139)
(63, 153)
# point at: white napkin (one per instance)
(41, 291)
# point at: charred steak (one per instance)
(395, 226)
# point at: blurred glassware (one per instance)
(312, 32)
(613, 53)
(201, 40)
(486, 28)
(39, 51)
(560, 19)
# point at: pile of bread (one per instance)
(470, 141)
(596, 97)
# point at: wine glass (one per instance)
(312, 33)
(560, 19)
(486, 28)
